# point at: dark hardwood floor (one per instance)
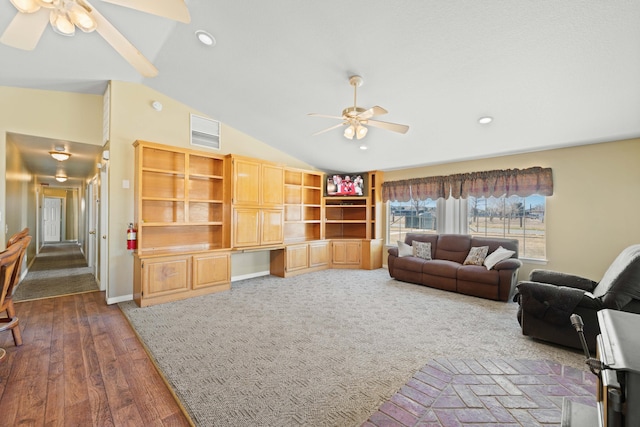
(81, 364)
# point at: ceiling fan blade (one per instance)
(330, 128)
(123, 46)
(326, 116)
(173, 9)
(373, 111)
(25, 30)
(395, 127)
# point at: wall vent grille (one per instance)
(205, 132)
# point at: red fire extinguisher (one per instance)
(132, 239)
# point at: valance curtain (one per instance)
(497, 183)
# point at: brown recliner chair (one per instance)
(548, 299)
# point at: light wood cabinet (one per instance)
(258, 197)
(300, 258)
(160, 279)
(354, 227)
(182, 214)
(211, 269)
(257, 227)
(346, 253)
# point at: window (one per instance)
(514, 217)
(414, 216)
(472, 207)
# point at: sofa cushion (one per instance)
(421, 249)
(441, 267)
(409, 263)
(478, 273)
(495, 242)
(496, 256)
(453, 247)
(476, 255)
(404, 249)
(409, 238)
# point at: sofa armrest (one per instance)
(508, 264)
(562, 279)
(393, 251)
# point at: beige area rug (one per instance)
(320, 349)
(59, 269)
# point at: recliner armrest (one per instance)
(508, 264)
(393, 251)
(553, 303)
(562, 279)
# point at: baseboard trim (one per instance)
(122, 298)
(250, 276)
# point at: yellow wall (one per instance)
(590, 218)
(133, 118)
(57, 115)
(593, 213)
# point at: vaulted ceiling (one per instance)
(550, 73)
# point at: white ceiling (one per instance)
(551, 73)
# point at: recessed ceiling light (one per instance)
(205, 38)
(485, 120)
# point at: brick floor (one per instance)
(486, 392)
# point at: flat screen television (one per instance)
(346, 185)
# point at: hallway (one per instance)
(59, 269)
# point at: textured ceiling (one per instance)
(551, 73)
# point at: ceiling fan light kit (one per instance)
(357, 117)
(25, 6)
(65, 15)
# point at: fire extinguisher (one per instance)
(132, 233)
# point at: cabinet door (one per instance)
(272, 185)
(272, 226)
(246, 227)
(246, 182)
(165, 275)
(318, 254)
(346, 253)
(297, 257)
(211, 269)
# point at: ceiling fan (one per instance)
(25, 30)
(357, 117)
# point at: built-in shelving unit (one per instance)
(302, 205)
(181, 212)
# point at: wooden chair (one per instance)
(19, 235)
(8, 263)
(24, 242)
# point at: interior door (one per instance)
(91, 226)
(52, 219)
(103, 221)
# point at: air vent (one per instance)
(205, 132)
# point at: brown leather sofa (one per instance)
(549, 298)
(446, 270)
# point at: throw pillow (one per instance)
(476, 255)
(421, 249)
(404, 249)
(497, 256)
